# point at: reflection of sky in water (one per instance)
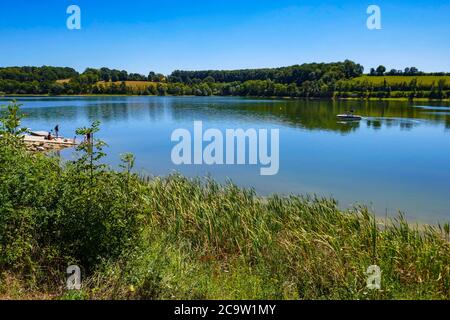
(436, 108)
(397, 157)
(443, 113)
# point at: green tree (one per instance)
(11, 119)
(380, 70)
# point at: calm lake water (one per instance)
(396, 158)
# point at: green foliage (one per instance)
(42, 74)
(309, 80)
(77, 211)
(91, 151)
(294, 74)
(10, 121)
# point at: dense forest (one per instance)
(311, 80)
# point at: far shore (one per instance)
(254, 97)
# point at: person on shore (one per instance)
(57, 131)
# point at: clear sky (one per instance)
(164, 35)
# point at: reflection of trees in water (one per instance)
(314, 114)
(308, 114)
(106, 111)
(404, 124)
(321, 114)
(374, 124)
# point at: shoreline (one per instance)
(41, 144)
(253, 97)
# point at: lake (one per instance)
(396, 158)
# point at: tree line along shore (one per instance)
(340, 80)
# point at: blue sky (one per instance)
(162, 36)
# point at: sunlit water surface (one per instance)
(396, 158)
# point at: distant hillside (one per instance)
(312, 80)
(327, 72)
(29, 74)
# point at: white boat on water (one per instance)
(349, 116)
(39, 133)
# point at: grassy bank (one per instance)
(178, 238)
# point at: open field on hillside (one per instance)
(395, 80)
(130, 84)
